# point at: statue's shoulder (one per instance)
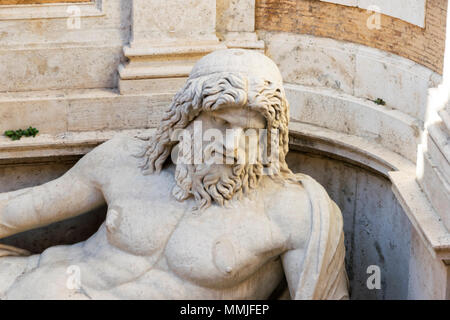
(123, 144)
(119, 150)
(120, 144)
(285, 190)
(288, 204)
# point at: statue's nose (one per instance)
(232, 141)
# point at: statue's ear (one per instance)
(9, 251)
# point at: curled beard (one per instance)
(218, 182)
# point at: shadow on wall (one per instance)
(377, 231)
(65, 232)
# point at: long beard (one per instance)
(215, 182)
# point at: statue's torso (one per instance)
(151, 246)
(230, 252)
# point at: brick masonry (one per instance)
(425, 46)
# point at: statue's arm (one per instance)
(68, 196)
(292, 262)
(314, 264)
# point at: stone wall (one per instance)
(377, 231)
(334, 84)
(42, 48)
(322, 19)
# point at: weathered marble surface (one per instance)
(40, 34)
(236, 230)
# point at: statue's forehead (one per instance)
(249, 63)
(245, 117)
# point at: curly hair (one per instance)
(212, 92)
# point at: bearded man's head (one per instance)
(231, 89)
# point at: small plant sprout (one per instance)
(17, 134)
(379, 101)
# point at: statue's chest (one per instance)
(139, 227)
(223, 246)
(217, 245)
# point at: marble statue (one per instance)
(182, 229)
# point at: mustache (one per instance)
(218, 153)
